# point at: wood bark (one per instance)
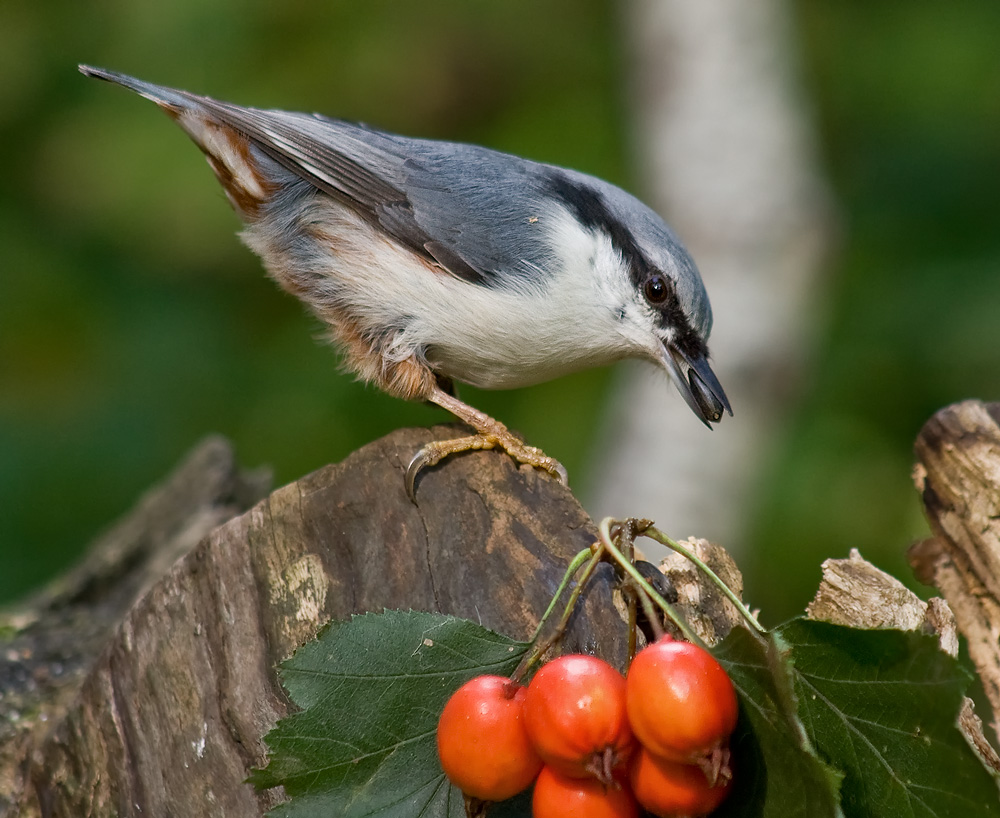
(856, 594)
(51, 642)
(143, 682)
(958, 476)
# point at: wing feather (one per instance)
(468, 209)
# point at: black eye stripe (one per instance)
(591, 210)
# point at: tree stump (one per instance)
(143, 682)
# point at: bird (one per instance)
(432, 263)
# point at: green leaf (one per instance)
(833, 721)
(777, 773)
(371, 691)
(882, 706)
(869, 713)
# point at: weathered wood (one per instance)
(698, 601)
(50, 642)
(958, 451)
(167, 712)
(856, 594)
(958, 476)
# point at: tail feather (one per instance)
(229, 151)
(170, 98)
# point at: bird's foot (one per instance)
(497, 437)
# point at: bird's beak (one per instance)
(697, 384)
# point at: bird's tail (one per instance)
(168, 98)
(228, 149)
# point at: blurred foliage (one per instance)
(132, 322)
(908, 106)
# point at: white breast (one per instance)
(572, 317)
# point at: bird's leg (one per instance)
(490, 435)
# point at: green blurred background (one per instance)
(132, 322)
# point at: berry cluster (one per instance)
(597, 745)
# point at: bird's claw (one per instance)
(436, 451)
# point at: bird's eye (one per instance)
(656, 289)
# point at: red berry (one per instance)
(670, 790)
(482, 743)
(557, 796)
(576, 719)
(681, 703)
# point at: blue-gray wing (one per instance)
(471, 210)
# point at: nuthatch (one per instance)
(433, 262)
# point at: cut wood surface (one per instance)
(174, 625)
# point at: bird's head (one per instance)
(652, 287)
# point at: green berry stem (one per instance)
(574, 566)
(655, 534)
(640, 582)
(596, 555)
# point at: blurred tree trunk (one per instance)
(727, 151)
